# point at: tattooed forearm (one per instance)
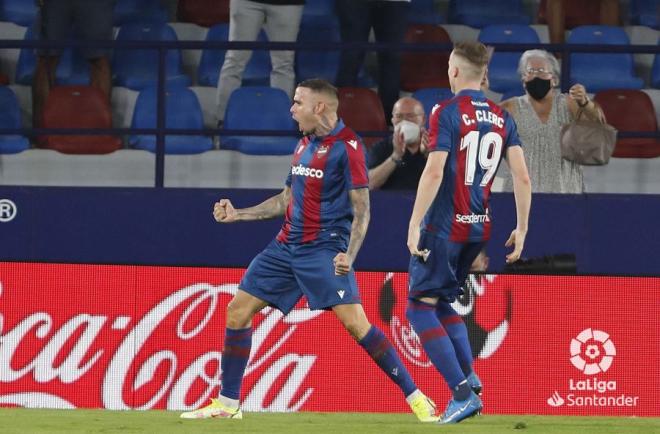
(270, 208)
(361, 216)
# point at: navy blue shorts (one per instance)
(89, 20)
(444, 271)
(282, 273)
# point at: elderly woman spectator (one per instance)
(540, 114)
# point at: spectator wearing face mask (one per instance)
(397, 162)
(540, 115)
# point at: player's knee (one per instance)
(357, 327)
(238, 315)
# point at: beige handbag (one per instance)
(586, 142)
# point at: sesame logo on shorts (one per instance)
(592, 351)
(306, 171)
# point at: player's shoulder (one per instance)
(348, 139)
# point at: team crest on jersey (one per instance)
(323, 149)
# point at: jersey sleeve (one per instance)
(440, 129)
(357, 175)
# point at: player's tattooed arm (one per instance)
(270, 208)
(224, 211)
(361, 215)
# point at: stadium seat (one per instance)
(72, 69)
(78, 107)
(420, 69)
(259, 108)
(205, 13)
(503, 68)
(257, 71)
(655, 72)
(630, 110)
(424, 12)
(480, 13)
(182, 110)
(430, 96)
(319, 12)
(4, 80)
(577, 13)
(512, 93)
(645, 13)
(362, 110)
(10, 117)
(132, 11)
(137, 69)
(317, 63)
(21, 12)
(599, 71)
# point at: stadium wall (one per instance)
(608, 234)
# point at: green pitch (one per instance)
(27, 421)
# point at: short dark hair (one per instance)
(319, 85)
(473, 51)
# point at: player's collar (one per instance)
(471, 92)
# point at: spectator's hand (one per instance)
(224, 212)
(517, 240)
(398, 144)
(342, 263)
(424, 143)
(579, 94)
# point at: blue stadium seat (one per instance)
(600, 71)
(137, 69)
(514, 92)
(21, 12)
(480, 13)
(182, 110)
(655, 72)
(131, 11)
(645, 13)
(430, 96)
(257, 71)
(321, 9)
(72, 69)
(322, 63)
(423, 12)
(502, 70)
(259, 108)
(10, 117)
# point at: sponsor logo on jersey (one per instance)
(301, 170)
(472, 218)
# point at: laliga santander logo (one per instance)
(592, 351)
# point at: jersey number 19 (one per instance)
(487, 150)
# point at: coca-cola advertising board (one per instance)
(142, 337)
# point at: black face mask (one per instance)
(538, 88)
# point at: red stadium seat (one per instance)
(205, 13)
(78, 107)
(362, 110)
(630, 110)
(4, 80)
(422, 69)
(578, 13)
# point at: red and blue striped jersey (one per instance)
(323, 170)
(476, 133)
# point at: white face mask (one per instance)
(410, 131)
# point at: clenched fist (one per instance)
(224, 212)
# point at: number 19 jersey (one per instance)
(476, 133)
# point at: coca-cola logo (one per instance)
(68, 353)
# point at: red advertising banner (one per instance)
(122, 337)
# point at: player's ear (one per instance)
(319, 107)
